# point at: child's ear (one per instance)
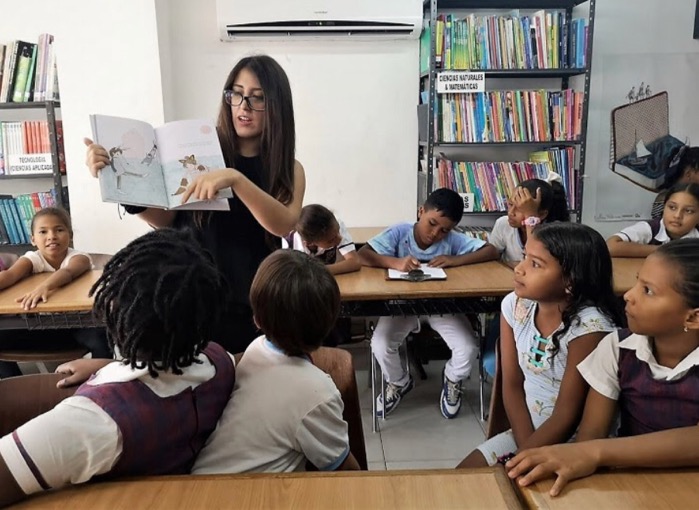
(257, 324)
(33, 242)
(692, 320)
(420, 211)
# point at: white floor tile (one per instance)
(416, 436)
(372, 441)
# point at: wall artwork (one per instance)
(646, 95)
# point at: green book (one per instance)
(29, 87)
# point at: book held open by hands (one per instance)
(424, 273)
(153, 167)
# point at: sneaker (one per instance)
(393, 395)
(450, 400)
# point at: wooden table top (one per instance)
(628, 490)
(625, 272)
(475, 280)
(71, 298)
(481, 488)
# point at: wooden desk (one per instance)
(360, 235)
(71, 303)
(620, 490)
(486, 488)
(475, 280)
(625, 271)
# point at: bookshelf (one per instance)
(535, 56)
(20, 183)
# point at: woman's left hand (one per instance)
(207, 186)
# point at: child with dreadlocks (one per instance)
(159, 299)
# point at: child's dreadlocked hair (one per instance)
(160, 298)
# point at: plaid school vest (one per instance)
(647, 405)
(162, 436)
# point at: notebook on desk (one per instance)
(417, 275)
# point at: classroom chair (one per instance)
(337, 363)
(25, 397)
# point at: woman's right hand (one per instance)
(79, 370)
(97, 157)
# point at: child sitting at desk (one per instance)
(680, 220)
(284, 411)
(404, 247)
(150, 412)
(534, 201)
(51, 234)
(562, 306)
(649, 373)
(321, 235)
(687, 170)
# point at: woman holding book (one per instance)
(256, 129)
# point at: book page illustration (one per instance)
(187, 149)
(133, 175)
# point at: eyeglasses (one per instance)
(235, 98)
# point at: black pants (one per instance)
(93, 339)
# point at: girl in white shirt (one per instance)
(548, 203)
(680, 220)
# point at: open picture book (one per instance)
(153, 167)
(417, 275)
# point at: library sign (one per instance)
(460, 82)
(29, 164)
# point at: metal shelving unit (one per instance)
(426, 112)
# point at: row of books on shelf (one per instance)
(477, 232)
(28, 71)
(544, 40)
(492, 183)
(509, 116)
(16, 215)
(25, 148)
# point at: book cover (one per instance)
(153, 167)
(24, 60)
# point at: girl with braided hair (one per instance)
(159, 299)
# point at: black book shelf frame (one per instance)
(427, 143)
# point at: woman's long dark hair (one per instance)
(587, 271)
(278, 142)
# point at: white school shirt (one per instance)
(40, 265)
(507, 241)
(346, 244)
(283, 410)
(77, 439)
(601, 368)
(641, 233)
(541, 384)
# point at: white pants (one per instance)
(455, 330)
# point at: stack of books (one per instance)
(28, 71)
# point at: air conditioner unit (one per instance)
(347, 19)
